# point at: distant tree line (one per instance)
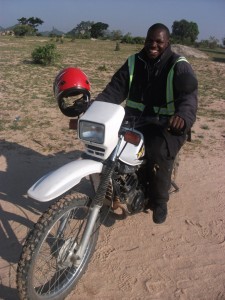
(183, 32)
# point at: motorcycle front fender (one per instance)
(56, 183)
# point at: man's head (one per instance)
(157, 40)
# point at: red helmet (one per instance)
(72, 84)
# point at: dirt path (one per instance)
(135, 258)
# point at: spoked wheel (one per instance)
(47, 268)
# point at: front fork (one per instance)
(94, 214)
(86, 235)
(97, 205)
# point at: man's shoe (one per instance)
(160, 213)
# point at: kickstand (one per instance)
(175, 188)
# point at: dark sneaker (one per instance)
(160, 213)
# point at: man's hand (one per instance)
(176, 123)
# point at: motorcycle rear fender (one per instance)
(56, 183)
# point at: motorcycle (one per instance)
(59, 247)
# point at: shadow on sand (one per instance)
(20, 167)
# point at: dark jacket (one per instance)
(149, 85)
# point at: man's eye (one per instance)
(151, 42)
(159, 42)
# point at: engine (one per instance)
(129, 190)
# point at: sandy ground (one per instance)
(135, 259)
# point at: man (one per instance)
(156, 81)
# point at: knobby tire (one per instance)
(41, 272)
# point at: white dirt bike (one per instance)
(59, 247)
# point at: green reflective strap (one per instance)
(130, 103)
(136, 105)
(131, 63)
(170, 109)
(169, 85)
(163, 111)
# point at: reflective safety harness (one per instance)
(170, 108)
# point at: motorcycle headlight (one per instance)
(91, 132)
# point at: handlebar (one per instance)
(162, 122)
(158, 121)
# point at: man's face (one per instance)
(156, 42)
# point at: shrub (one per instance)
(45, 55)
(117, 46)
(23, 30)
(102, 68)
(128, 39)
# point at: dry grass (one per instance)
(28, 109)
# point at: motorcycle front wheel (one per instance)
(45, 269)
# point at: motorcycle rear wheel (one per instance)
(44, 270)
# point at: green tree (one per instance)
(23, 30)
(27, 26)
(22, 21)
(115, 35)
(82, 30)
(97, 29)
(184, 31)
(33, 22)
(213, 42)
(127, 39)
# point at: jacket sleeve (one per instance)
(117, 89)
(185, 93)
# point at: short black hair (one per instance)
(161, 27)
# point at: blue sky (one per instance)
(134, 16)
